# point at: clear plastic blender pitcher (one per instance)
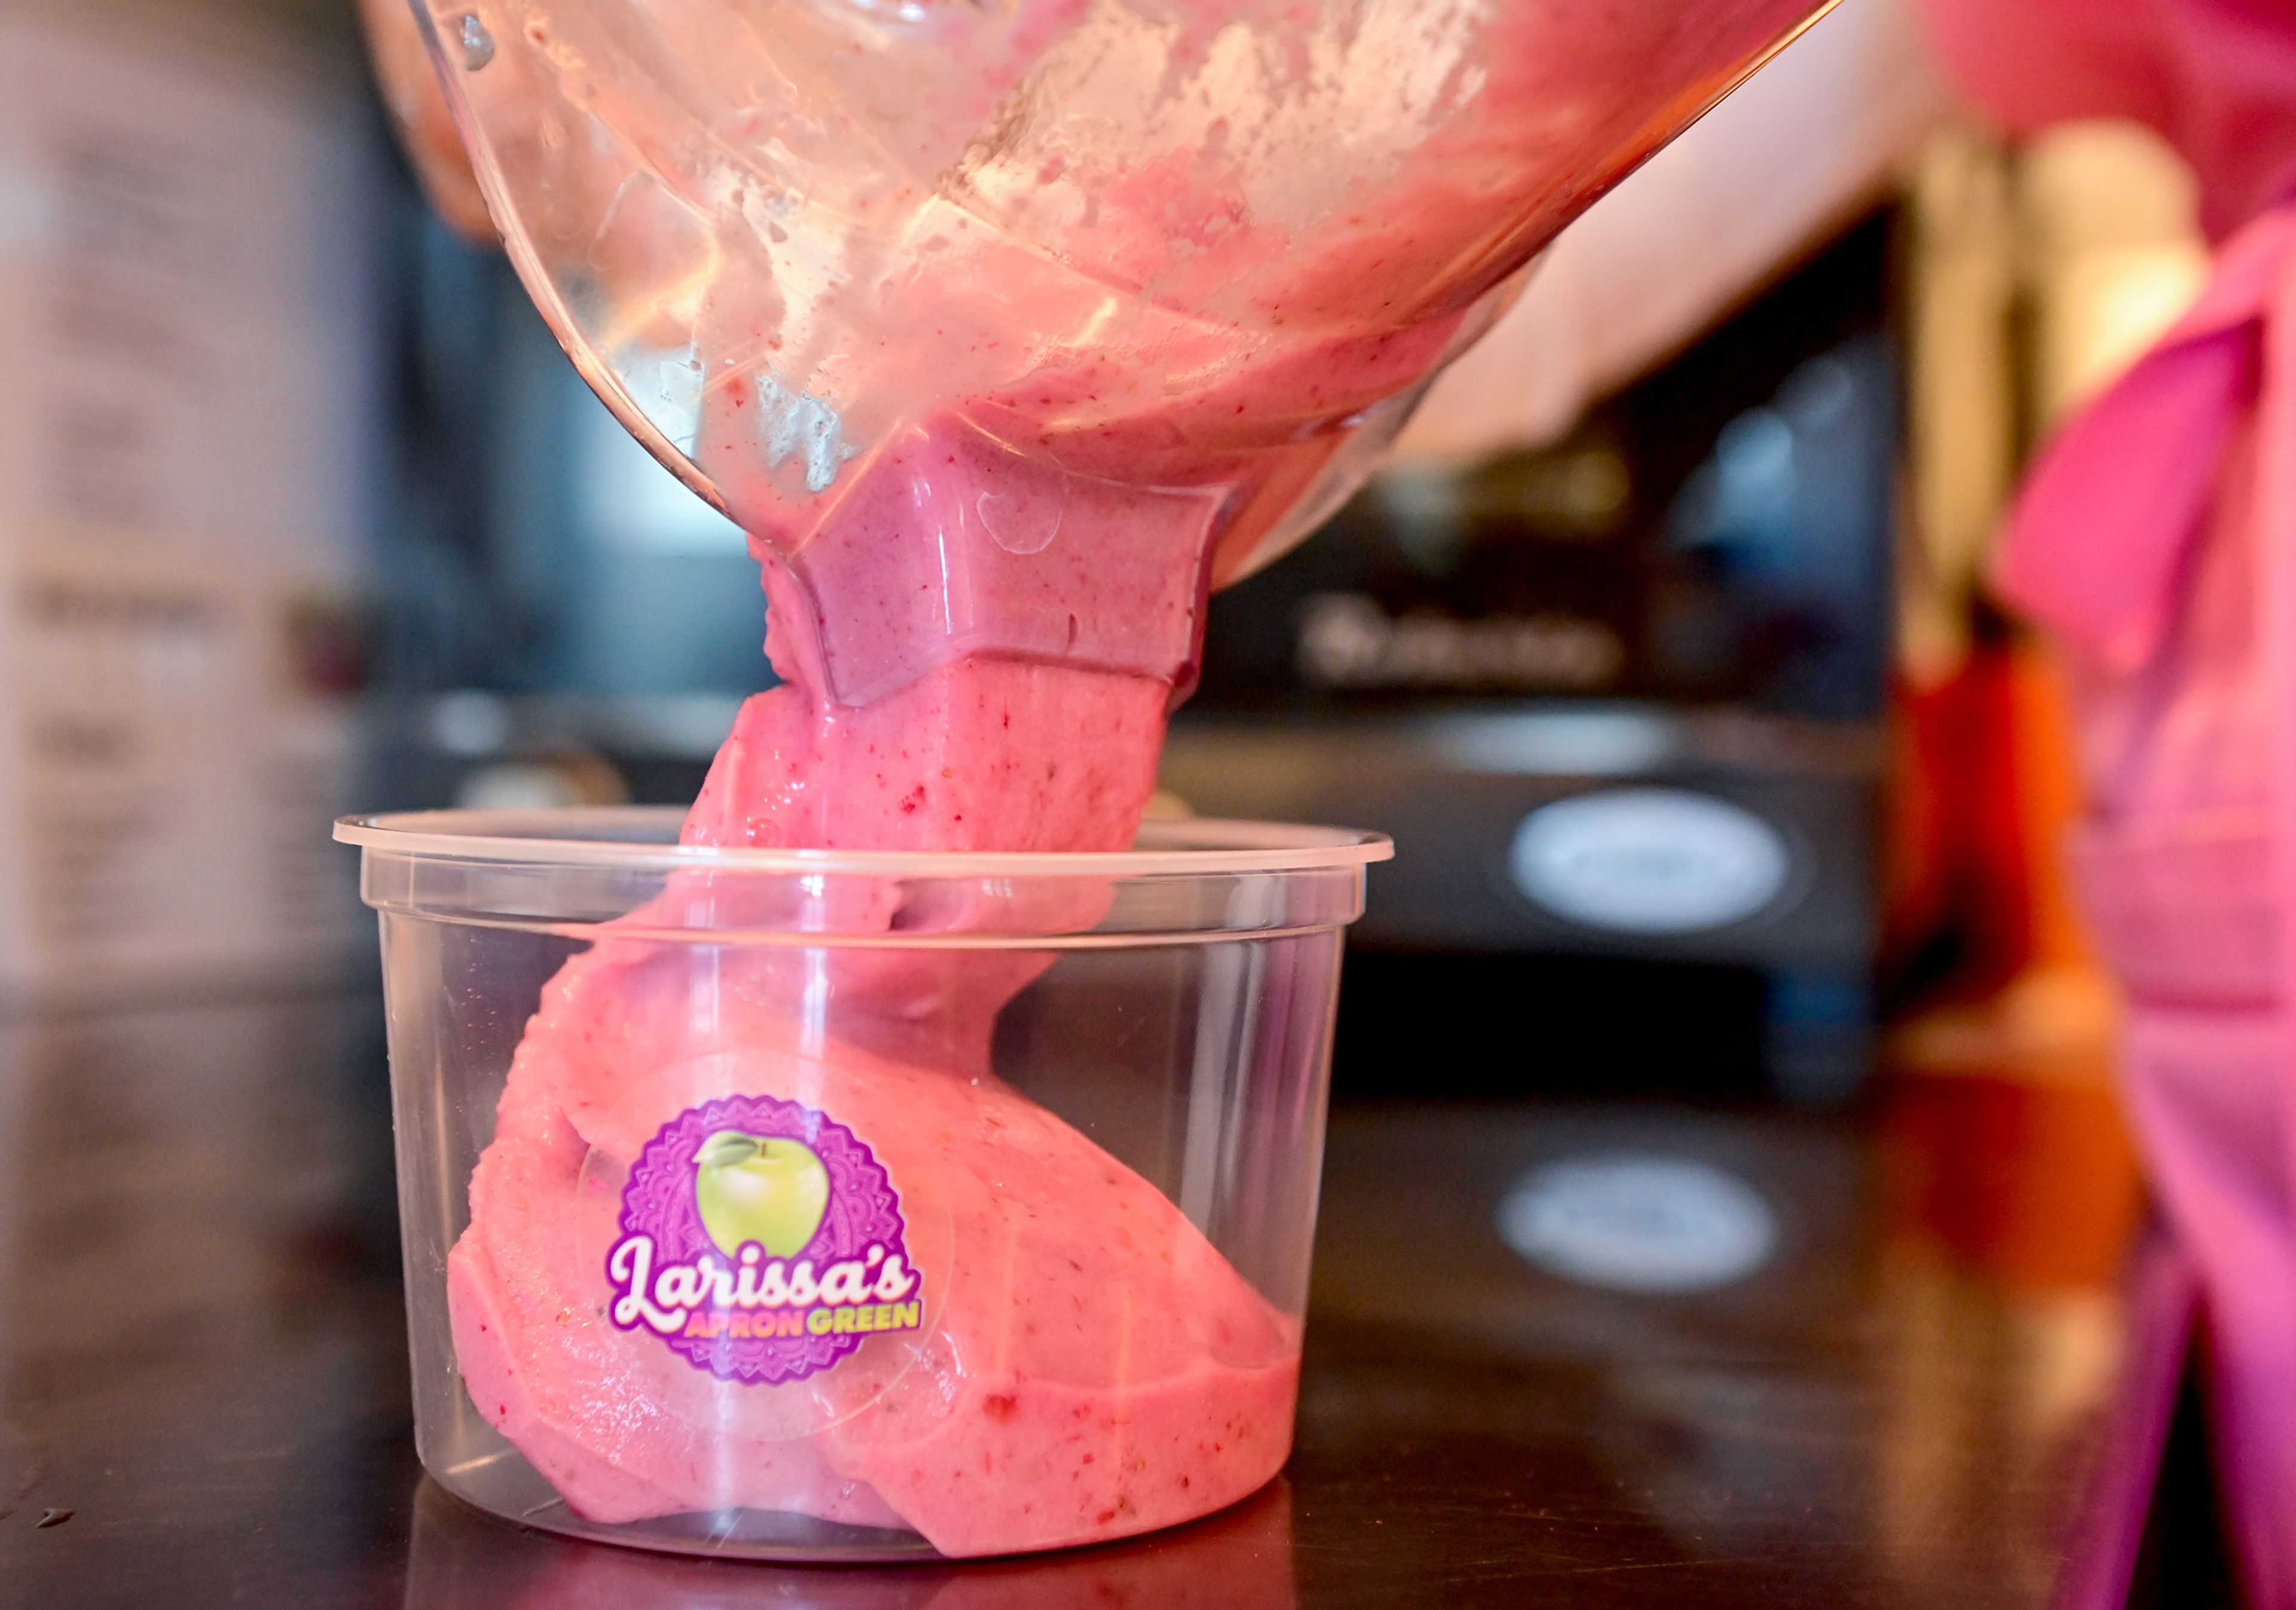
(1148, 282)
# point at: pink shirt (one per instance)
(2156, 537)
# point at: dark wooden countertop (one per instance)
(203, 1370)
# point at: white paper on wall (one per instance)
(184, 432)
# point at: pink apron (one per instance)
(2156, 538)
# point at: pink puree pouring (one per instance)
(985, 597)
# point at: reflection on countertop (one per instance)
(202, 1359)
(1239, 1560)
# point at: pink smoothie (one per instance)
(1094, 1368)
(1063, 391)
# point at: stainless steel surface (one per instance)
(202, 1362)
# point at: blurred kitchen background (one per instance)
(1663, 650)
(1660, 650)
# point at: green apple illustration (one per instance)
(762, 1188)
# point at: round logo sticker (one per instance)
(761, 1240)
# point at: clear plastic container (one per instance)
(813, 1205)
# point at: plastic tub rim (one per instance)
(1191, 846)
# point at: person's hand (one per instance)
(410, 88)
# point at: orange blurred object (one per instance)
(2007, 1142)
(1986, 786)
(2035, 1183)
